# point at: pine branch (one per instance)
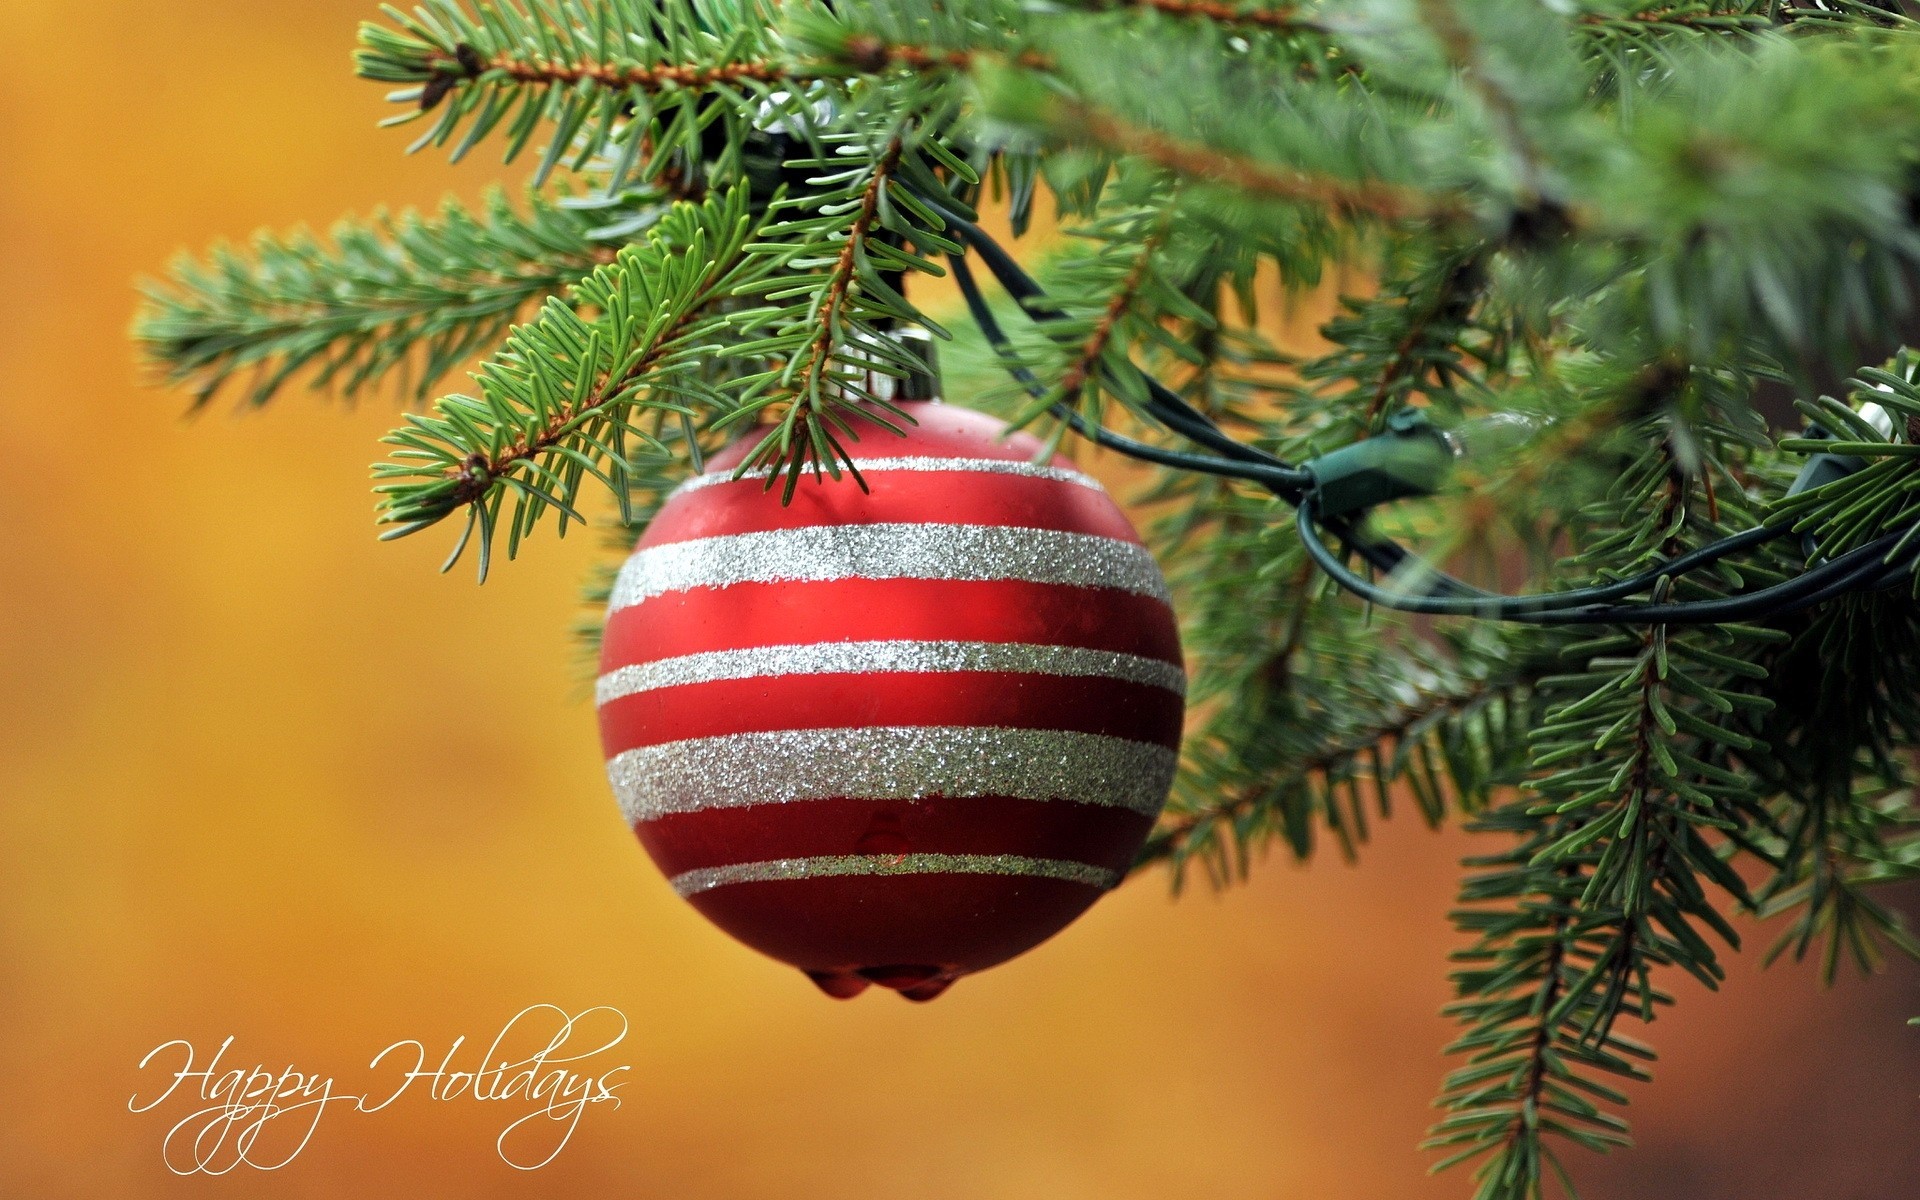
(1129, 299)
(1866, 504)
(1700, 284)
(876, 36)
(464, 65)
(836, 258)
(1845, 708)
(1417, 328)
(558, 401)
(871, 55)
(1172, 100)
(1691, 17)
(1465, 52)
(641, 85)
(412, 294)
(1433, 325)
(1837, 857)
(1624, 47)
(1349, 198)
(1531, 1059)
(1637, 792)
(803, 437)
(1290, 18)
(1422, 745)
(1280, 18)
(1093, 347)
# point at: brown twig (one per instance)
(466, 64)
(1097, 341)
(1285, 18)
(1691, 18)
(864, 52)
(1350, 198)
(1541, 1043)
(840, 280)
(873, 55)
(476, 475)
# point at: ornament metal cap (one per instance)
(909, 351)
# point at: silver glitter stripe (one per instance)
(890, 762)
(690, 883)
(874, 466)
(889, 551)
(863, 658)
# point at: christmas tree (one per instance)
(1594, 528)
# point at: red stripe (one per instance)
(858, 610)
(717, 837)
(1114, 707)
(895, 497)
(942, 431)
(955, 923)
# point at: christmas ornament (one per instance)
(899, 734)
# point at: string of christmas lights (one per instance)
(1367, 480)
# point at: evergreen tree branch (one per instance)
(1691, 17)
(1404, 746)
(1464, 51)
(444, 72)
(1634, 763)
(1531, 1061)
(1831, 894)
(1279, 18)
(800, 424)
(876, 36)
(637, 84)
(1432, 325)
(1093, 346)
(1127, 300)
(820, 374)
(872, 55)
(412, 293)
(557, 402)
(1314, 149)
(838, 258)
(1350, 198)
(1416, 335)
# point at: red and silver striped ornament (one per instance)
(899, 734)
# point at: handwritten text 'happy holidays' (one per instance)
(258, 1117)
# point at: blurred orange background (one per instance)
(264, 777)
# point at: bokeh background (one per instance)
(264, 777)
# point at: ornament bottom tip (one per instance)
(913, 982)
